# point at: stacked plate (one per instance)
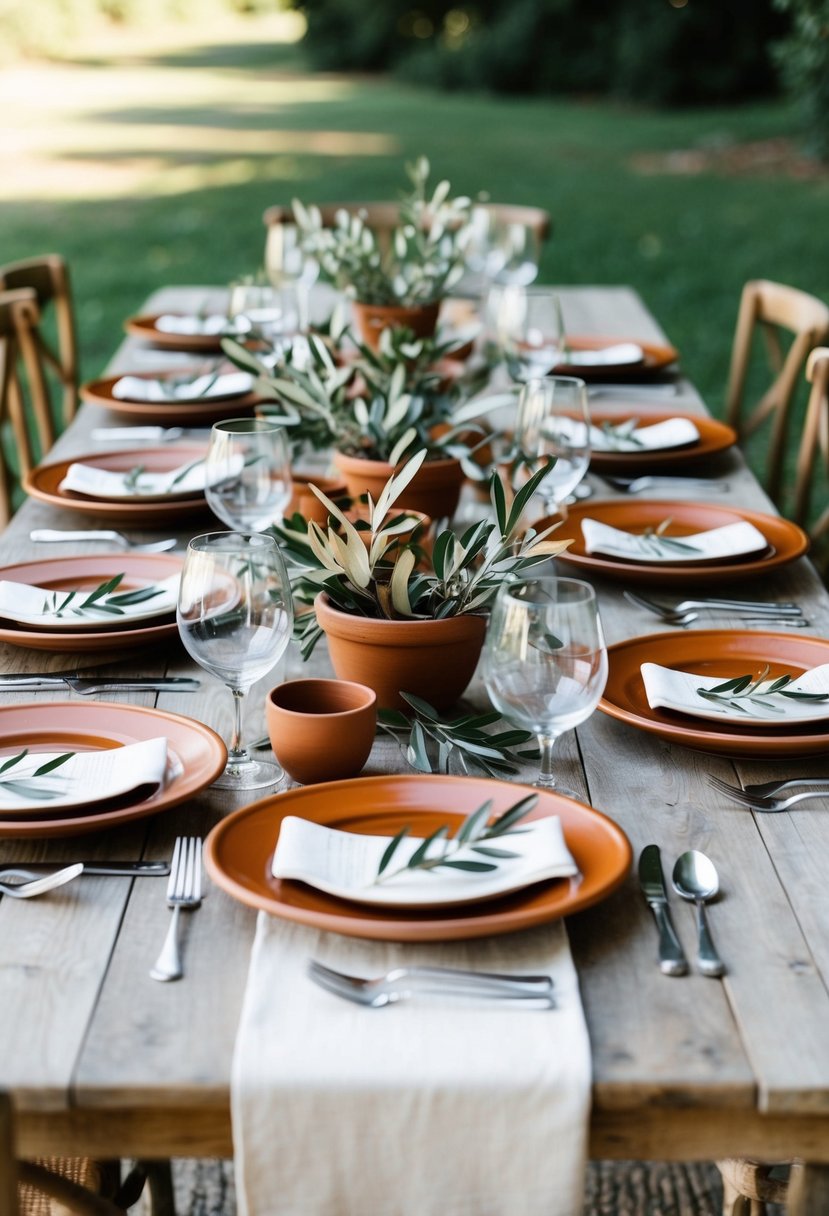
(179, 397)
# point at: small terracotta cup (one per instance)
(321, 730)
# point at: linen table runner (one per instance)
(434, 1107)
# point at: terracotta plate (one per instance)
(44, 481)
(657, 358)
(209, 409)
(89, 725)
(714, 437)
(65, 573)
(786, 541)
(239, 850)
(723, 653)
(144, 327)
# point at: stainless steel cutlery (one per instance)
(184, 890)
(118, 869)
(766, 789)
(403, 983)
(672, 960)
(640, 485)
(55, 536)
(688, 611)
(23, 884)
(87, 685)
(769, 803)
(695, 879)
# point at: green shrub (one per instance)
(804, 61)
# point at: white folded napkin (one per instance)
(347, 863)
(671, 433)
(201, 388)
(179, 323)
(84, 779)
(436, 1107)
(731, 540)
(47, 608)
(183, 482)
(666, 688)
(621, 352)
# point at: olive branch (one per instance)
(474, 829)
(618, 435)
(654, 540)
(101, 599)
(23, 785)
(743, 692)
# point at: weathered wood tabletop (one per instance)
(101, 1060)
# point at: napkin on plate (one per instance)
(180, 323)
(667, 688)
(47, 608)
(200, 388)
(346, 864)
(435, 1107)
(620, 352)
(86, 778)
(731, 540)
(186, 481)
(671, 433)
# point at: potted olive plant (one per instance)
(390, 623)
(403, 282)
(375, 407)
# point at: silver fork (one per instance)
(771, 805)
(638, 485)
(183, 891)
(752, 607)
(23, 884)
(55, 536)
(766, 789)
(403, 982)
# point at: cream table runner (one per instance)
(433, 1107)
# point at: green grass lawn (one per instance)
(152, 165)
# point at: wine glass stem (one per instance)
(546, 777)
(237, 752)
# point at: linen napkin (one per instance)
(200, 388)
(731, 540)
(65, 609)
(670, 433)
(347, 863)
(84, 779)
(603, 356)
(667, 688)
(434, 1107)
(181, 323)
(186, 481)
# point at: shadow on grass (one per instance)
(235, 56)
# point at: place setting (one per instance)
(177, 396)
(636, 442)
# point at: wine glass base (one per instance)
(555, 787)
(255, 775)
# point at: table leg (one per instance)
(809, 1191)
(8, 1164)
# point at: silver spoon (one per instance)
(695, 879)
(25, 884)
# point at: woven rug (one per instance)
(614, 1188)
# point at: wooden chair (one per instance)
(773, 308)
(814, 443)
(48, 277)
(24, 398)
(748, 1186)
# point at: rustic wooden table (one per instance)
(101, 1060)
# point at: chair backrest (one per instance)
(814, 442)
(48, 276)
(773, 308)
(24, 397)
(8, 1164)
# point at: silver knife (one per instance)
(672, 960)
(41, 681)
(145, 869)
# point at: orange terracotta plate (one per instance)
(723, 653)
(44, 482)
(786, 541)
(205, 409)
(144, 327)
(239, 850)
(657, 358)
(714, 437)
(66, 573)
(194, 750)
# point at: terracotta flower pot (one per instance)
(307, 503)
(372, 319)
(321, 730)
(434, 490)
(432, 659)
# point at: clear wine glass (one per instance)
(248, 473)
(501, 251)
(235, 616)
(545, 660)
(269, 311)
(527, 326)
(553, 419)
(285, 259)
